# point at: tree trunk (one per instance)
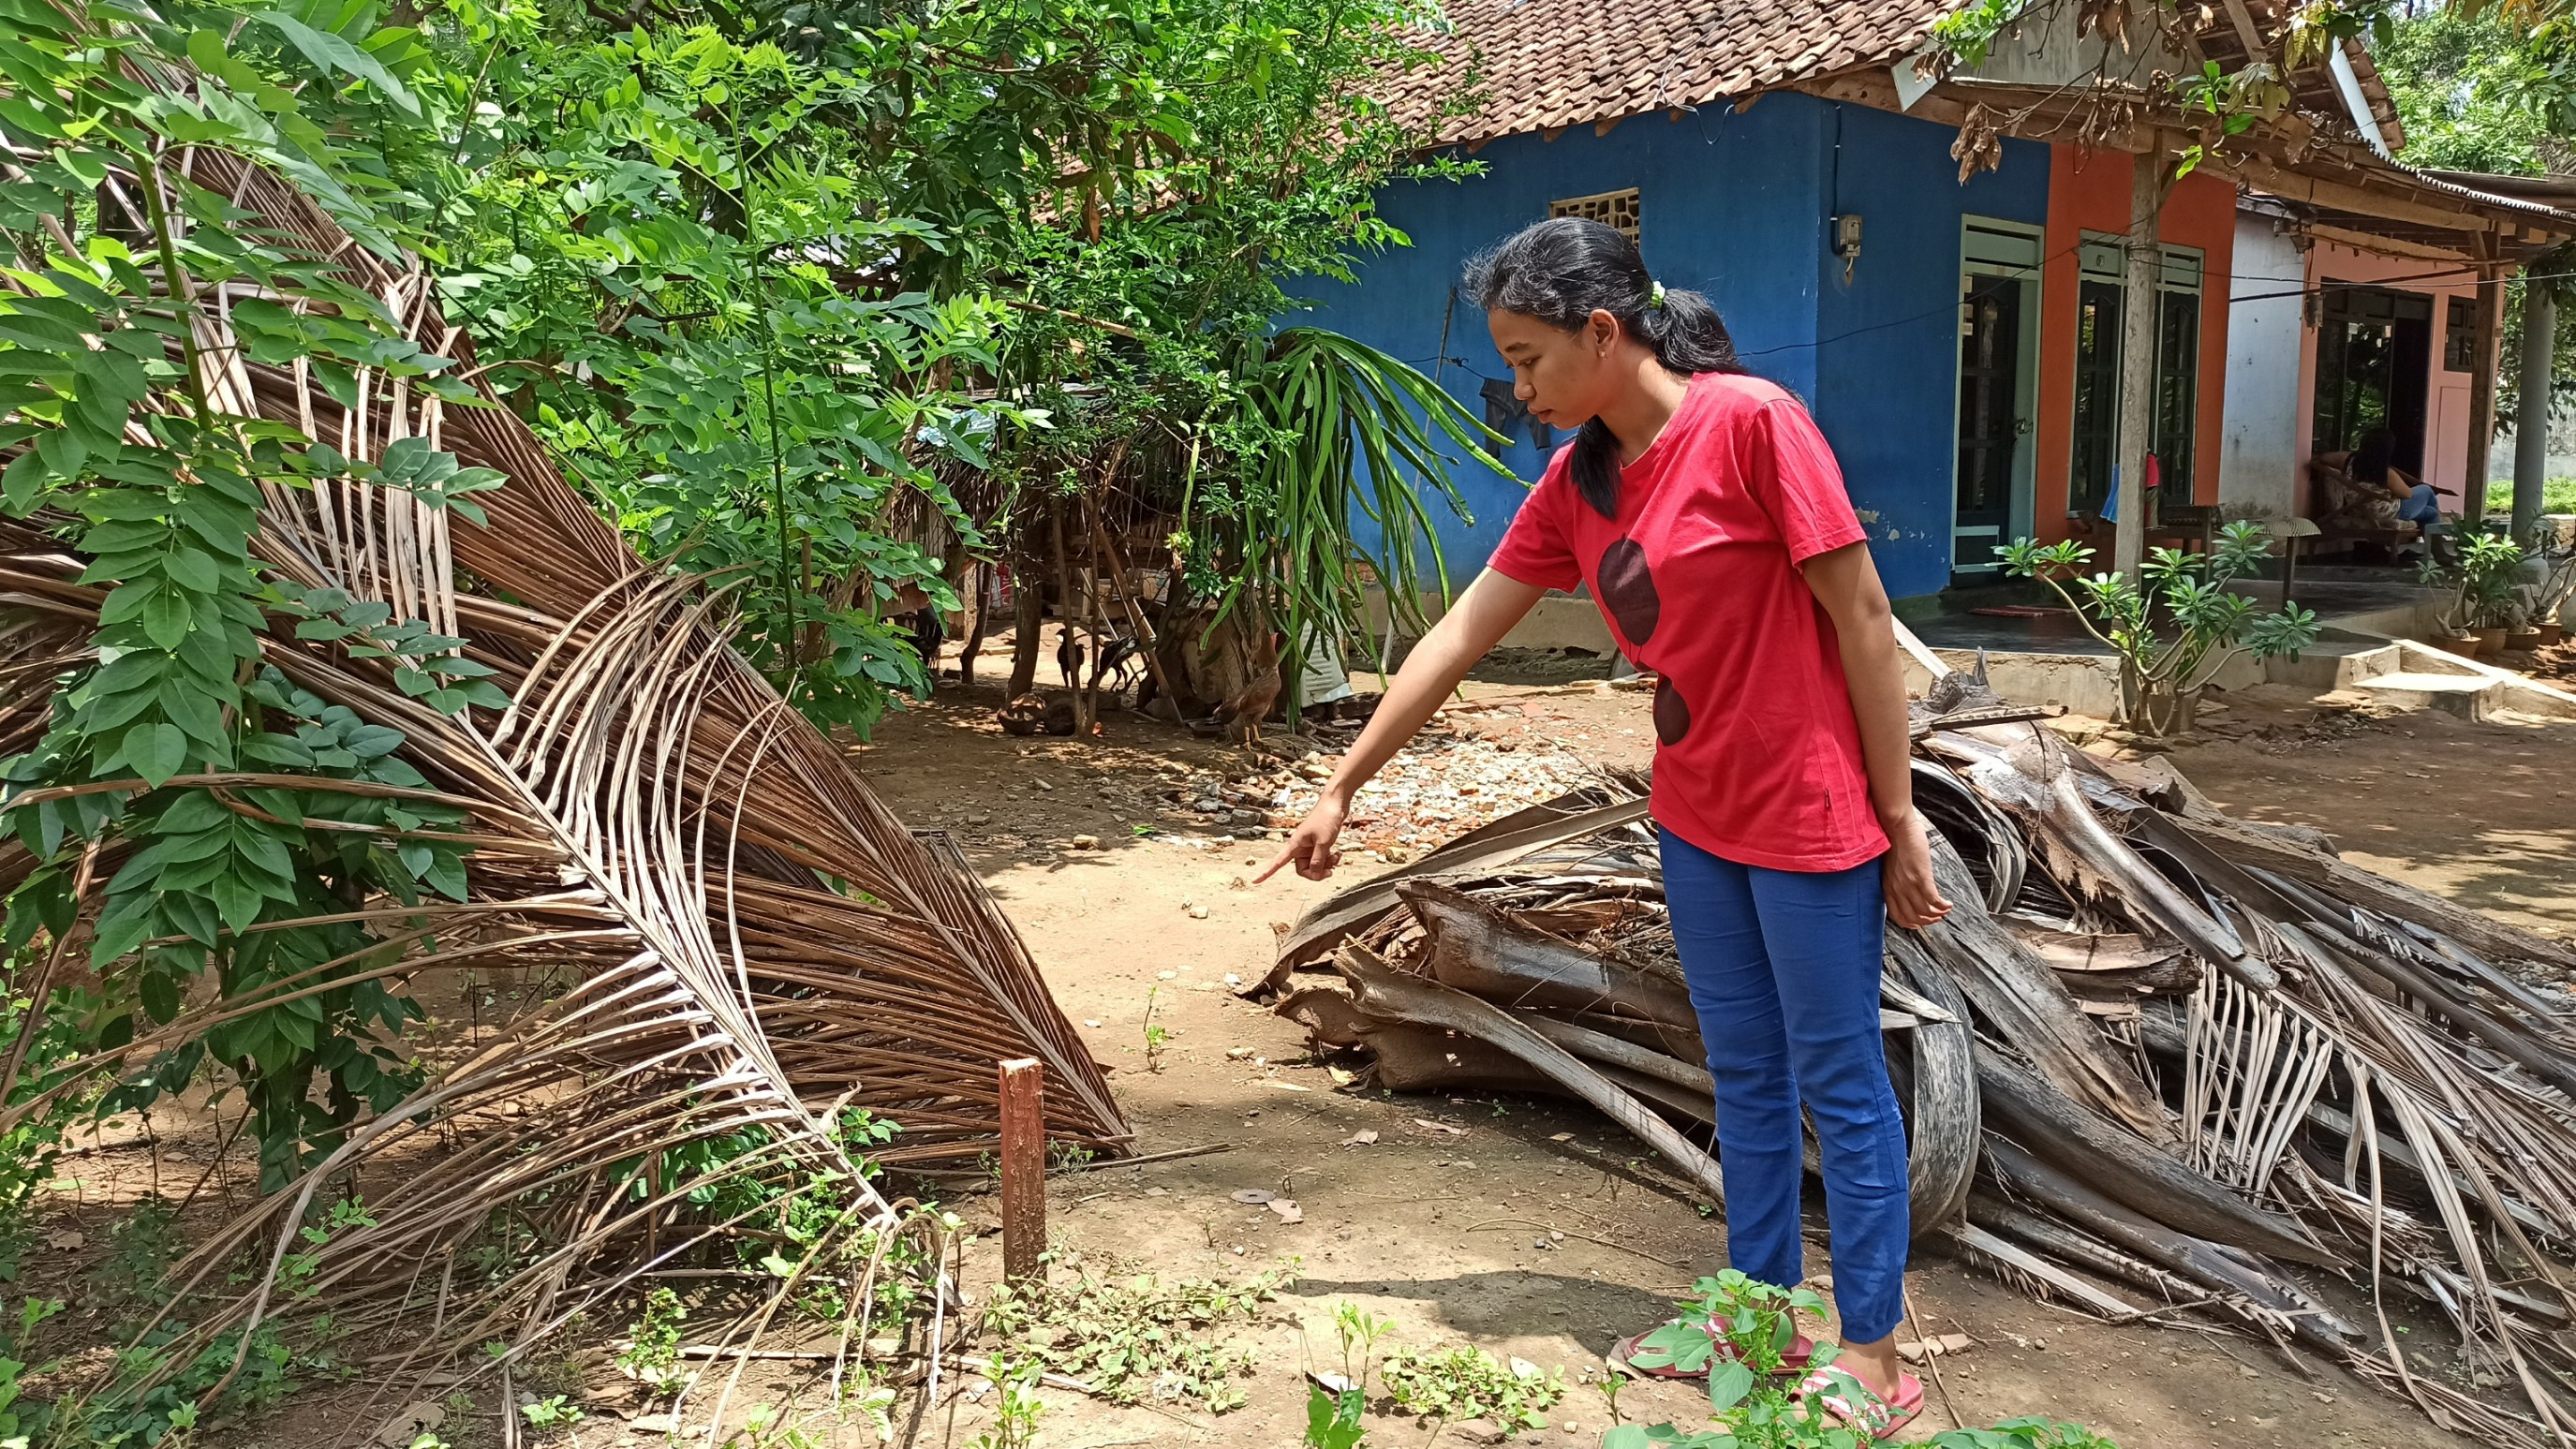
(1028, 622)
(1064, 614)
(2139, 304)
(979, 617)
(2157, 709)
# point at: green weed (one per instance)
(1016, 1415)
(1138, 1338)
(652, 1354)
(140, 1249)
(1333, 1415)
(553, 1411)
(1157, 1036)
(1469, 1383)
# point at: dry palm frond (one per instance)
(754, 944)
(2351, 1084)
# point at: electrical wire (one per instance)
(2318, 289)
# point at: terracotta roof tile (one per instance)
(1550, 63)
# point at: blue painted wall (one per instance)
(1887, 344)
(1737, 206)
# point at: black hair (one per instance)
(2372, 457)
(1563, 270)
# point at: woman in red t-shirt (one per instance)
(1706, 515)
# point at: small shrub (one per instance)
(1333, 1415)
(1753, 1407)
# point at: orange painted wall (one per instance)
(2090, 192)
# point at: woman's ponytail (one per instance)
(1563, 270)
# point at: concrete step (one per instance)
(2335, 664)
(2465, 695)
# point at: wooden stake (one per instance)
(1023, 1169)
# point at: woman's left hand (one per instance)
(1913, 897)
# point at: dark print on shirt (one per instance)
(1628, 590)
(1672, 713)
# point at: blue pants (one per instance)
(2420, 506)
(1783, 969)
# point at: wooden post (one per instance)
(2141, 307)
(2482, 386)
(1023, 1169)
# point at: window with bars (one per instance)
(1610, 208)
(2460, 336)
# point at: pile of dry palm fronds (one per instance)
(756, 944)
(2153, 1055)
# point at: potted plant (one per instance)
(2175, 634)
(2520, 632)
(2450, 621)
(2484, 583)
(2556, 588)
(2494, 569)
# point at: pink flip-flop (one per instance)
(1873, 1418)
(1622, 1354)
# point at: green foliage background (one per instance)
(769, 278)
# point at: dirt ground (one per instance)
(1528, 1228)
(1452, 1233)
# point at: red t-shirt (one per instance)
(1758, 755)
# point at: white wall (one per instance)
(2562, 447)
(2258, 465)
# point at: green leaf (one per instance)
(194, 811)
(192, 570)
(447, 876)
(193, 914)
(206, 50)
(368, 742)
(156, 751)
(160, 996)
(1728, 1382)
(330, 52)
(126, 924)
(166, 616)
(1328, 1425)
(238, 899)
(19, 483)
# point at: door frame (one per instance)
(1993, 247)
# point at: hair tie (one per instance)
(1655, 298)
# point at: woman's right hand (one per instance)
(1311, 845)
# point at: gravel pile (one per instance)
(1445, 783)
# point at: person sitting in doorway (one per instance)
(2370, 463)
